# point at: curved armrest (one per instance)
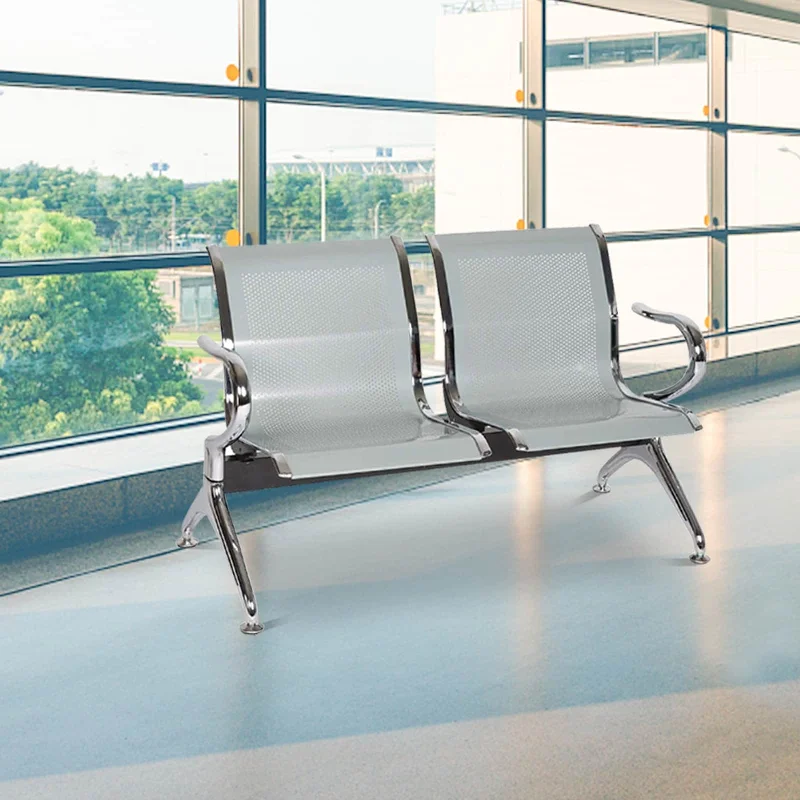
(697, 352)
(214, 462)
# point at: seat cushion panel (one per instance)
(451, 448)
(633, 421)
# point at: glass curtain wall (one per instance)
(427, 116)
(118, 164)
(645, 178)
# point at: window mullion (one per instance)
(533, 87)
(718, 182)
(250, 145)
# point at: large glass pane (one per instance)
(92, 173)
(388, 172)
(180, 40)
(670, 274)
(424, 49)
(763, 277)
(624, 63)
(762, 75)
(763, 179)
(90, 352)
(625, 178)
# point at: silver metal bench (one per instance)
(320, 344)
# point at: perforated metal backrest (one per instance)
(324, 332)
(531, 321)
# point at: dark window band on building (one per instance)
(657, 48)
(622, 51)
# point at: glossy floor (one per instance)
(504, 635)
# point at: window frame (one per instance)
(253, 93)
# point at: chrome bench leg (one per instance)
(196, 512)
(619, 459)
(210, 502)
(653, 455)
(220, 517)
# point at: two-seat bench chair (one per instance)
(323, 379)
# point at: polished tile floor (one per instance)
(505, 635)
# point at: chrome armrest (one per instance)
(477, 437)
(214, 461)
(697, 352)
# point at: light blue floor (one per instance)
(512, 592)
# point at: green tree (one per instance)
(76, 194)
(27, 230)
(412, 213)
(352, 200)
(293, 207)
(80, 352)
(142, 210)
(134, 214)
(211, 209)
(84, 352)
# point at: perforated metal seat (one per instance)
(531, 341)
(323, 330)
(322, 377)
(531, 348)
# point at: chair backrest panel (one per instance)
(532, 322)
(324, 333)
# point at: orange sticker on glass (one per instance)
(520, 224)
(520, 95)
(231, 72)
(232, 238)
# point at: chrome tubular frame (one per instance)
(416, 358)
(698, 358)
(652, 454)
(238, 402)
(226, 328)
(456, 409)
(614, 323)
(239, 407)
(210, 500)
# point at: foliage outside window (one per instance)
(85, 352)
(116, 215)
(293, 207)
(94, 351)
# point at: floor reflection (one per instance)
(484, 598)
